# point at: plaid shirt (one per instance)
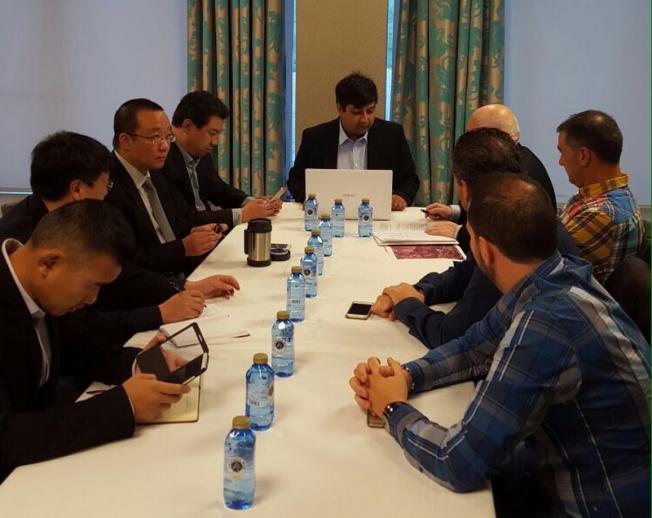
(605, 222)
(565, 370)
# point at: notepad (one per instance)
(186, 410)
(215, 328)
(407, 233)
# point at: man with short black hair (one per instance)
(476, 154)
(197, 124)
(602, 217)
(165, 238)
(73, 252)
(565, 374)
(68, 167)
(357, 139)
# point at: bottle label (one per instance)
(365, 218)
(260, 395)
(307, 272)
(279, 345)
(309, 212)
(236, 466)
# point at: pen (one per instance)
(424, 211)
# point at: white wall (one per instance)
(68, 64)
(565, 56)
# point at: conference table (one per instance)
(319, 458)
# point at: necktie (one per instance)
(194, 182)
(157, 210)
(44, 341)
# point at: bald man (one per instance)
(449, 218)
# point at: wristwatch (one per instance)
(389, 410)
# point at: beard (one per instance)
(489, 271)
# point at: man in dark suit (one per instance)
(73, 251)
(450, 219)
(477, 154)
(357, 140)
(68, 167)
(197, 124)
(165, 238)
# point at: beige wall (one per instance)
(334, 38)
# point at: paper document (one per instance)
(407, 233)
(186, 410)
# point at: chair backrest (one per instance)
(644, 250)
(6, 207)
(629, 284)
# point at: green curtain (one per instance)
(448, 61)
(235, 49)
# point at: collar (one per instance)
(553, 262)
(9, 246)
(135, 174)
(187, 157)
(344, 137)
(595, 189)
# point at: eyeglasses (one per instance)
(156, 139)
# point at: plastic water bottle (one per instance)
(309, 264)
(310, 207)
(326, 229)
(296, 301)
(239, 466)
(260, 393)
(365, 219)
(283, 345)
(317, 243)
(337, 217)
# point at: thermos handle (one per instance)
(247, 233)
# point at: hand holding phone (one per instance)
(280, 193)
(359, 310)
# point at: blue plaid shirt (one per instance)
(563, 369)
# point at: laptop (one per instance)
(352, 185)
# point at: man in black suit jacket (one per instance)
(197, 123)
(167, 241)
(66, 167)
(73, 251)
(500, 117)
(357, 140)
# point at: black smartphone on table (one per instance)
(359, 310)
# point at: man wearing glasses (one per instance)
(165, 237)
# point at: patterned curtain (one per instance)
(235, 49)
(448, 61)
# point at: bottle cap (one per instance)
(365, 200)
(315, 232)
(309, 250)
(297, 269)
(312, 196)
(282, 315)
(241, 422)
(338, 201)
(260, 358)
(325, 216)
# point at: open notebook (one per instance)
(407, 233)
(215, 327)
(186, 410)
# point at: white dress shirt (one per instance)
(351, 154)
(139, 180)
(9, 246)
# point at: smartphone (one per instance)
(374, 421)
(359, 310)
(152, 361)
(280, 193)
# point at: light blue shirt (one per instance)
(351, 154)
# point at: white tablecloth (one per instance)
(319, 458)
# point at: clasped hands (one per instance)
(391, 296)
(376, 385)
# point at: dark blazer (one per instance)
(124, 307)
(537, 172)
(465, 284)
(386, 149)
(33, 426)
(166, 258)
(211, 187)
